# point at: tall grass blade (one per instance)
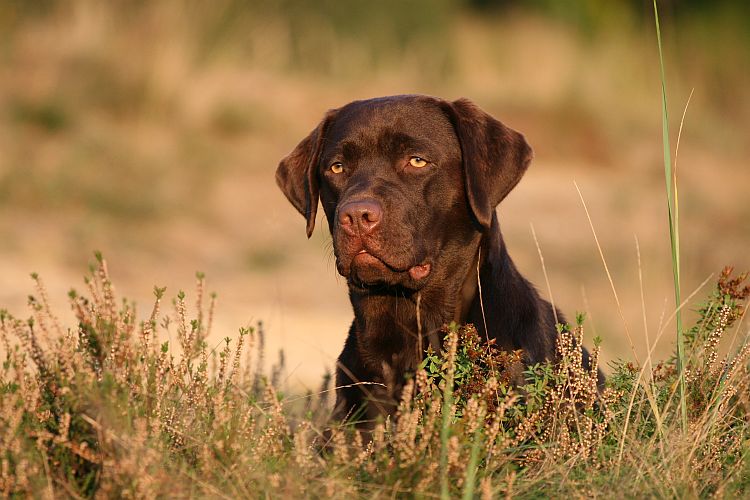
(471, 469)
(673, 222)
(445, 429)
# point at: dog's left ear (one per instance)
(297, 174)
(495, 157)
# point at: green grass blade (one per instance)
(471, 469)
(673, 221)
(445, 429)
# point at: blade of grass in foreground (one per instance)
(445, 429)
(673, 222)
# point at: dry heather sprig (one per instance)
(96, 300)
(183, 335)
(474, 414)
(340, 447)
(407, 426)
(200, 282)
(108, 292)
(26, 333)
(429, 474)
(148, 328)
(581, 383)
(64, 343)
(4, 334)
(245, 375)
(223, 356)
(571, 421)
(424, 385)
(211, 309)
(379, 437)
(738, 362)
(709, 352)
(485, 488)
(164, 370)
(235, 372)
(46, 310)
(454, 455)
(493, 429)
(276, 428)
(712, 342)
(303, 452)
(451, 347)
(197, 399)
(260, 351)
(724, 307)
(429, 429)
(367, 452)
(579, 392)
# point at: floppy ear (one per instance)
(297, 174)
(495, 157)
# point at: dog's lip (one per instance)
(417, 272)
(366, 258)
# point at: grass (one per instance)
(674, 221)
(122, 406)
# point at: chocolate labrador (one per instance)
(409, 185)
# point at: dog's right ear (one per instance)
(297, 174)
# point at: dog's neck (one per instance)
(398, 325)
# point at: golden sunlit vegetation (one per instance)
(109, 408)
(151, 130)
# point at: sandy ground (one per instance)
(303, 302)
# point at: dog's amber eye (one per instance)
(337, 168)
(417, 162)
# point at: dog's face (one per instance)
(406, 182)
(390, 181)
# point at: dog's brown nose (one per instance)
(365, 214)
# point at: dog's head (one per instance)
(405, 183)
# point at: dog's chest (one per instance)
(391, 341)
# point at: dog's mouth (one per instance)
(368, 269)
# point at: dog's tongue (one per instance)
(419, 272)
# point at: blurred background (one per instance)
(151, 131)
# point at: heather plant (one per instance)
(111, 408)
(101, 407)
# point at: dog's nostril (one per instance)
(346, 219)
(371, 216)
(366, 213)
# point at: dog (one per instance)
(409, 185)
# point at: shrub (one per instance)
(107, 409)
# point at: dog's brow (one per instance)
(394, 142)
(349, 150)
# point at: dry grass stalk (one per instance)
(113, 413)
